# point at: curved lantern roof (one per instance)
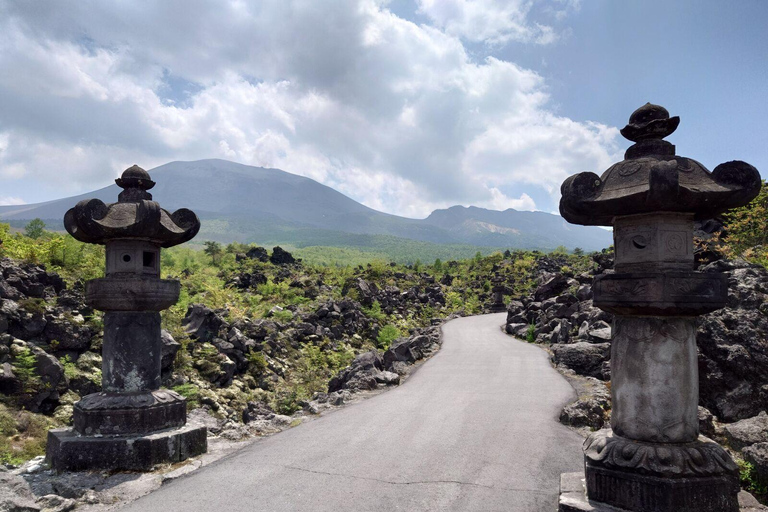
(134, 216)
(652, 178)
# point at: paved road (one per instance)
(475, 429)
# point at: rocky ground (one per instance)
(732, 348)
(328, 339)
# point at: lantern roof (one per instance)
(652, 178)
(133, 216)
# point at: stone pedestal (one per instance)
(573, 498)
(67, 450)
(131, 424)
(652, 459)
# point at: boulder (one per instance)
(561, 333)
(552, 287)
(64, 334)
(585, 412)
(202, 323)
(281, 257)
(706, 422)
(733, 351)
(9, 382)
(258, 253)
(257, 411)
(15, 494)
(747, 432)
(361, 374)
(599, 332)
(757, 455)
(582, 357)
(169, 349)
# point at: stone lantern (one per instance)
(653, 458)
(131, 424)
(498, 290)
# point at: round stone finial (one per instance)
(650, 122)
(135, 182)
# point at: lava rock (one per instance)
(582, 357)
(202, 323)
(552, 287)
(169, 349)
(281, 257)
(747, 432)
(15, 494)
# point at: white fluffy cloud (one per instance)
(394, 114)
(495, 21)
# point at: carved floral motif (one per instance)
(697, 459)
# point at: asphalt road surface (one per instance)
(474, 429)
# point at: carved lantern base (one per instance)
(68, 451)
(573, 498)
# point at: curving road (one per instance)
(474, 429)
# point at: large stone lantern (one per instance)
(131, 423)
(653, 458)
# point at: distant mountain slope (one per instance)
(244, 203)
(478, 226)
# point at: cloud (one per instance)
(8, 200)
(394, 114)
(495, 22)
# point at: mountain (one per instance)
(253, 204)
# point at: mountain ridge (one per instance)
(237, 202)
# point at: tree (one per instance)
(746, 230)
(212, 249)
(438, 265)
(35, 228)
(560, 249)
(578, 251)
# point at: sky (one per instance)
(403, 105)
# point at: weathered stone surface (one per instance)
(135, 215)
(706, 422)
(652, 457)
(551, 287)
(71, 452)
(170, 347)
(585, 412)
(733, 352)
(54, 503)
(281, 257)
(15, 494)
(582, 357)
(202, 323)
(573, 498)
(654, 379)
(757, 455)
(652, 179)
(129, 414)
(131, 424)
(747, 432)
(258, 253)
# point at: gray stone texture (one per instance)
(68, 450)
(652, 458)
(131, 424)
(573, 498)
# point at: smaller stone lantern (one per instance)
(131, 424)
(653, 458)
(498, 290)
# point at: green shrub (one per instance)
(387, 335)
(257, 364)
(530, 334)
(749, 478)
(24, 366)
